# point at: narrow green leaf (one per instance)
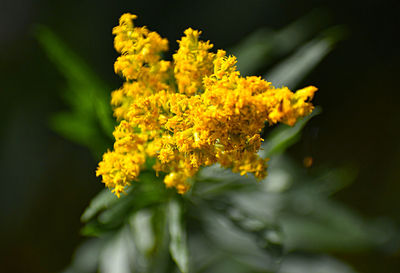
(292, 70)
(86, 257)
(79, 129)
(161, 258)
(284, 136)
(327, 226)
(142, 230)
(107, 212)
(118, 254)
(263, 46)
(68, 63)
(72, 127)
(87, 95)
(232, 241)
(178, 245)
(317, 263)
(101, 201)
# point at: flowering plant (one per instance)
(195, 111)
(172, 208)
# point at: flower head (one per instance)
(193, 112)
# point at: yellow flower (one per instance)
(194, 112)
(192, 62)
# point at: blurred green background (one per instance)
(48, 180)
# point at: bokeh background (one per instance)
(48, 180)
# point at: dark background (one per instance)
(46, 181)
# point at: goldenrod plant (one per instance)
(193, 112)
(186, 175)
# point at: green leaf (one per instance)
(263, 46)
(178, 245)
(142, 230)
(334, 180)
(101, 201)
(80, 130)
(161, 260)
(225, 240)
(292, 70)
(86, 257)
(107, 212)
(86, 95)
(325, 226)
(118, 254)
(284, 136)
(297, 263)
(72, 127)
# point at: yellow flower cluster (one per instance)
(194, 111)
